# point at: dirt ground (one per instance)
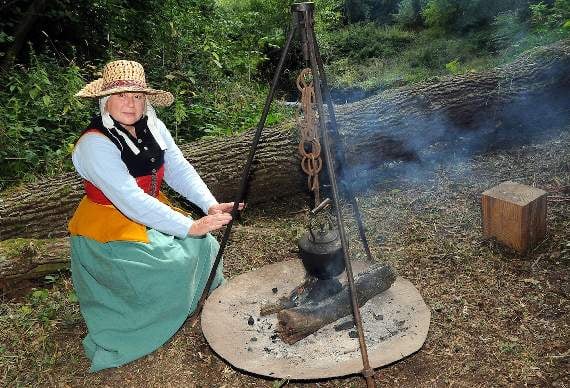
(498, 318)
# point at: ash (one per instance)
(383, 320)
(395, 323)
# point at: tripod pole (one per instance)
(305, 16)
(334, 130)
(245, 176)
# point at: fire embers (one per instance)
(321, 298)
(312, 290)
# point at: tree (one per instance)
(410, 13)
(22, 31)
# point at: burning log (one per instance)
(296, 323)
(312, 290)
(393, 125)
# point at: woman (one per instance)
(139, 266)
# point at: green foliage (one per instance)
(462, 16)
(265, 15)
(410, 13)
(33, 325)
(562, 7)
(365, 40)
(440, 14)
(66, 28)
(45, 308)
(329, 15)
(540, 14)
(508, 28)
(328, 20)
(208, 56)
(378, 11)
(435, 54)
(454, 66)
(218, 56)
(39, 117)
(550, 16)
(450, 36)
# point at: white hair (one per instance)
(107, 121)
(152, 121)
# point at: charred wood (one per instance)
(312, 290)
(298, 322)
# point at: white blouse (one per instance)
(98, 160)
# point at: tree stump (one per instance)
(515, 214)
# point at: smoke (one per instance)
(421, 144)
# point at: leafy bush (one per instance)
(463, 16)
(563, 7)
(433, 53)
(550, 16)
(380, 12)
(441, 14)
(508, 28)
(207, 55)
(410, 13)
(39, 117)
(218, 56)
(454, 66)
(367, 40)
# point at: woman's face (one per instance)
(126, 108)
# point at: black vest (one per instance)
(150, 158)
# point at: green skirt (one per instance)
(135, 296)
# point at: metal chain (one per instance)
(309, 145)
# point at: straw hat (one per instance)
(124, 76)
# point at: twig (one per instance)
(560, 356)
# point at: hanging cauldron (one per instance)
(320, 250)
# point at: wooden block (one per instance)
(515, 214)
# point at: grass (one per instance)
(32, 330)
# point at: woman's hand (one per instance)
(209, 223)
(225, 207)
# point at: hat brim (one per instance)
(155, 96)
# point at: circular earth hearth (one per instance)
(395, 323)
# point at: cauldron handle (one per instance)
(313, 213)
(311, 221)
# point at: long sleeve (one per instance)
(181, 175)
(98, 160)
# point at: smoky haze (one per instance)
(409, 132)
